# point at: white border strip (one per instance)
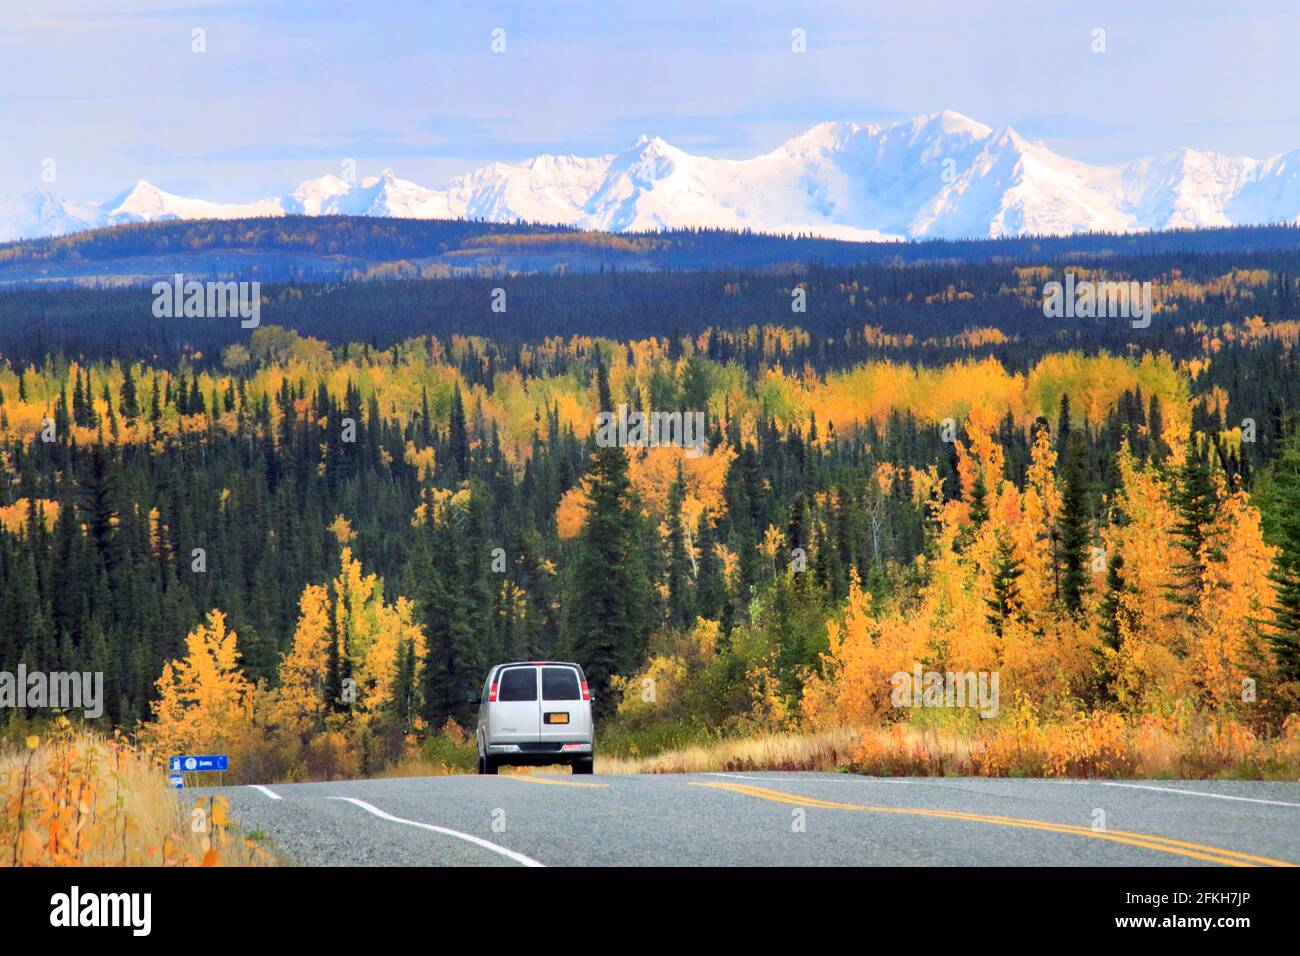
(477, 841)
(809, 779)
(266, 790)
(1197, 793)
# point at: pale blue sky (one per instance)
(111, 90)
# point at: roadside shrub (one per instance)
(75, 798)
(330, 756)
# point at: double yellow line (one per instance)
(554, 783)
(1195, 851)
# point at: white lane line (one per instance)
(266, 790)
(1198, 793)
(478, 841)
(741, 776)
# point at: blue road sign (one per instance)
(206, 762)
(177, 780)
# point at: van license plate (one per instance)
(560, 718)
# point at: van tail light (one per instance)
(492, 695)
(586, 694)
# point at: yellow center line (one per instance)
(554, 783)
(1194, 851)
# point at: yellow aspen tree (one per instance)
(354, 611)
(951, 627)
(300, 699)
(394, 625)
(1150, 671)
(371, 632)
(1040, 504)
(205, 702)
(853, 688)
(1229, 654)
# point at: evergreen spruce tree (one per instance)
(1196, 501)
(1006, 602)
(1063, 429)
(434, 571)
(98, 494)
(457, 436)
(979, 504)
(130, 401)
(979, 512)
(680, 611)
(609, 593)
(1073, 524)
(404, 689)
(710, 586)
(1280, 506)
(1114, 617)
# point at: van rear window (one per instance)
(560, 683)
(518, 683)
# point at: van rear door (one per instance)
(515, 717)
(565, 715)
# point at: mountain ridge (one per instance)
(938, 175)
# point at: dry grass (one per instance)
(829, 750)
(419, 767)
(78, 799)
(1185, 746)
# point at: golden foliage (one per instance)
(79, 799)
(370, 635)
(205, 702)
(1229, 652)
(14, 518)
(1211, 655)
(853, 686)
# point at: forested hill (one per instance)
(902, 464)
(923, 312)
(304, 248)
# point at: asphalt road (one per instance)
(763, 819)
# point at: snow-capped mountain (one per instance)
(145, 202)
(938, 175)
(41, 213)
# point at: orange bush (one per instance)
(1090, 745)
(78, 799)
(1082, 744)
(331, 756)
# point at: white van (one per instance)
(535, 712)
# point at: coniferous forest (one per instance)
(305, 542)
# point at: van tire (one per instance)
(487, 765)
(584, 766)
